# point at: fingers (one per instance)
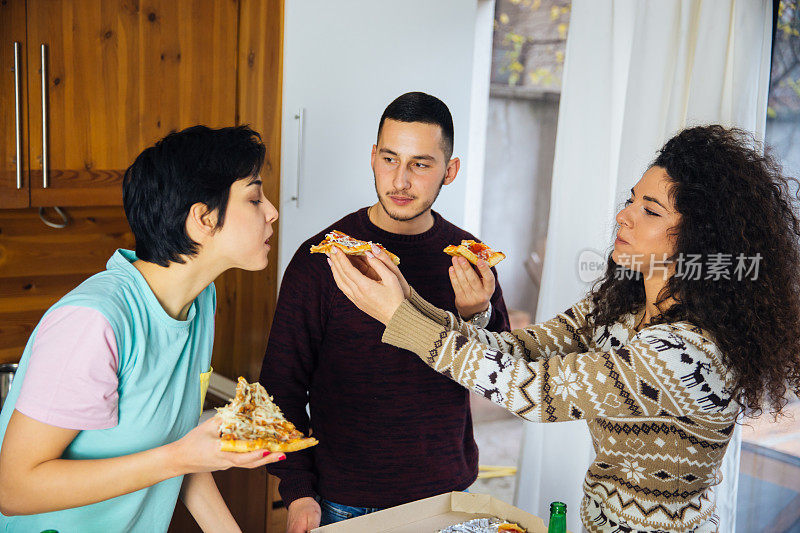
(394, 269)
(381, 254)
(380, 267)
(347, 271)
(341, 280)
(351, 275)
(273, 457)
(456, 282)
(468, 279)
(363, 266)
(256, 458)
(487, 276)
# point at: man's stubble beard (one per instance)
(400, 218)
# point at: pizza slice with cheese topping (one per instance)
(349, 245)
(251, 421)
(473, 250)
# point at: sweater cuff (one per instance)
(428, 309)
(295, 489)
(410, 330)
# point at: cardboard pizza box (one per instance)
(432, 514)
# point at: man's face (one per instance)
(410, 168)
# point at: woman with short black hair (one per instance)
(100, 429)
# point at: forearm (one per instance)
(511, 382)
(74, 483)
(297, 477)
(559, 335)
(440, 316)
(573, 386)
(504, 341)
(204, 501)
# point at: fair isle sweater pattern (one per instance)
(658, 403)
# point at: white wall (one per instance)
(344, 62)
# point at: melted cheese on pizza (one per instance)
(347, 241)
(253, 415)
(351, 243)
(479, 249)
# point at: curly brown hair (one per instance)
(733, 199)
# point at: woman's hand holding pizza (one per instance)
(473, 291)
(362, 263)
(199, 451)
(378, 298)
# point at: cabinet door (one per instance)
(119, 76)
(13, 110)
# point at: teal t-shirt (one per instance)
(160, 360)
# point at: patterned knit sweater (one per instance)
(657, 402)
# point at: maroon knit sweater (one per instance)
(391, 430)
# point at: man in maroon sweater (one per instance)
(390, 429)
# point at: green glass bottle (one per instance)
(558, 518)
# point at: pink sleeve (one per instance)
(71, 380)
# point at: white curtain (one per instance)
(635, 73)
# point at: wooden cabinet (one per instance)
(38, 265)
(14, 190)
(103, 80)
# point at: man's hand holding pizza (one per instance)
(473, 289)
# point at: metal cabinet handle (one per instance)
(44, 117)
(18, 112)
(57, 225)
(300, 116)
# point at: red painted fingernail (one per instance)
(281, 458)
(265, 454)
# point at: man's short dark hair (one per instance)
(198, 164)
(421, 107)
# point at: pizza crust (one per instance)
(463, 250)
(237, 445)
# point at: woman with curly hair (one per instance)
(696, 320)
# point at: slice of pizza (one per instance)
(251, 421)
(510, 527)
(349, 245)
(473, 251)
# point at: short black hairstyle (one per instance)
(422, 107)
(197, 164)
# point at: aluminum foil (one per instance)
(477, 525)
